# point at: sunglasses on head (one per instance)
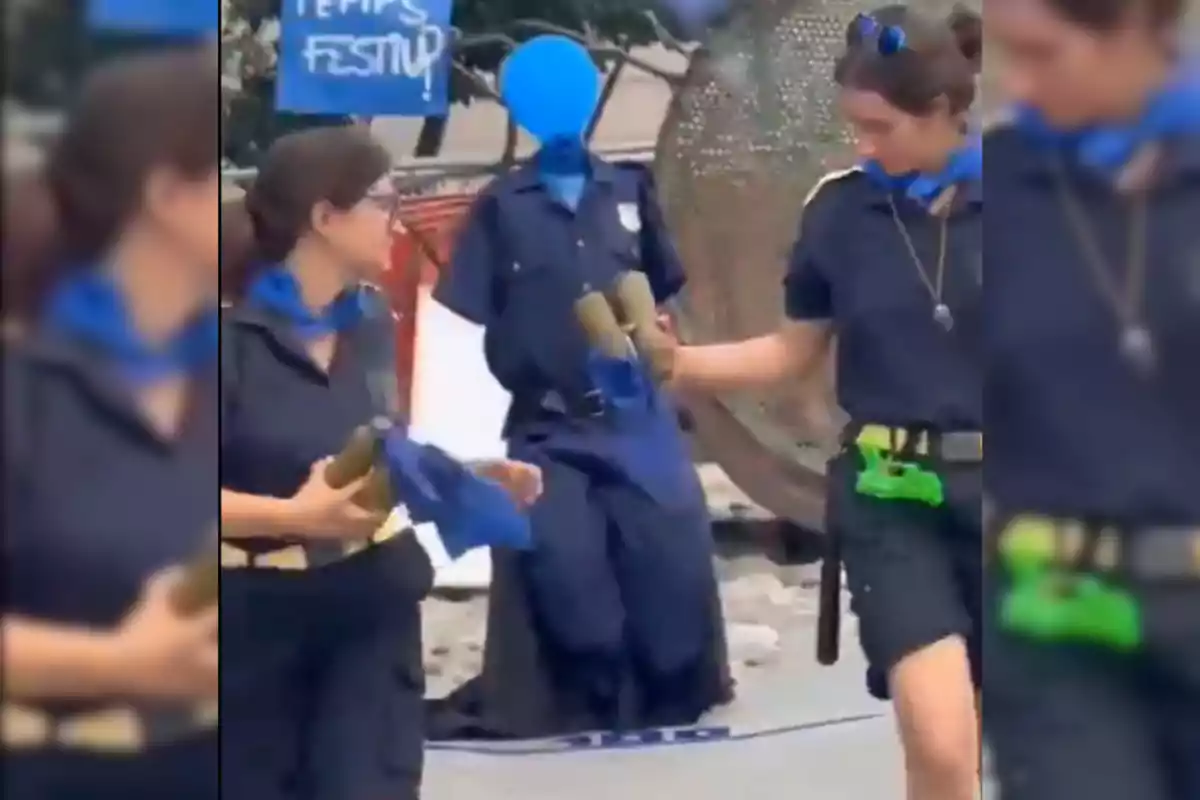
(889, 39)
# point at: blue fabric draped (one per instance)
(276, 291)
(1171, 113)
(641, 440)
(468, 511)
(964, 166)
(89, 308)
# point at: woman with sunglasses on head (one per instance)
(887, 261)
(110, 398)
(1093, 326)
(322, 675)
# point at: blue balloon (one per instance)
(552, 87)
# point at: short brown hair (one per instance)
(939, 58)
(336, 165)
(132, 116)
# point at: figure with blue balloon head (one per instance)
(615, 605)
(887, 262)
(110, 648)
(1094, 322)
(322, 672)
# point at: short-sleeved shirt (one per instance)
(523, 259)
(96, 500)
(280, 411)
(1073, 426)
(851, 267)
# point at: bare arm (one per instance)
(247, 515)
(796, 350)
(43, 660)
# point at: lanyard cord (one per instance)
(941, 312)
(1127, 302)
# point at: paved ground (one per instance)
(784, 732)
(785, 740)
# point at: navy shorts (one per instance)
(184, 770)
(915, 573)
(322, 684)
(1067, 722)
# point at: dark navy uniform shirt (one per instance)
(895, 364)
(523, 259)
(96, 501)
(1073, 427)
(280, 412)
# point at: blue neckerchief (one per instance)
(468, 511)
(643, 444)
(964, 166)
(1171, 113)
(277, 291)
(563, 168)
(89, 308)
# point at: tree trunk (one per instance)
(432, 136)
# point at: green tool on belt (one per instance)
(1052, 604)
(885, 478)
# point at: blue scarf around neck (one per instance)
(964, 166)
(276, 291)
(563, 168)
(89, 308)
(1171, 113)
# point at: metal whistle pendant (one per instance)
(942, 316)
(1137, 346)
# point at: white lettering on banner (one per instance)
(409, 11)
(410, 54)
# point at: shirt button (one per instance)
(579, 243)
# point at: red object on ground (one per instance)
(427, 226)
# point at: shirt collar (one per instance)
(879, 198)
(527, 177)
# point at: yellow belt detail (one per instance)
(882, 437)
(110, 730)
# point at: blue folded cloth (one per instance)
(622, 381)
(642, 445)
(467, 510)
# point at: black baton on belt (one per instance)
(829, 608)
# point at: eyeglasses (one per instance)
(385, 200)
(889, 39)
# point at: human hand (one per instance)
(160, 653)
(319, 511)
(522, 481)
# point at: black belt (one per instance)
(951, 447)
(1150, 552)
(552, 403)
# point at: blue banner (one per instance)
(182, 17)
(365, 57)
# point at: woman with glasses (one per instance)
(1093, 325)
(322, 673)
(887, 261)
(110, 426)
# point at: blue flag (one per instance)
(182, 17)
(468, 511)
(365, 57)
(643, 445)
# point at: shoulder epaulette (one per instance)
(829, 178)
